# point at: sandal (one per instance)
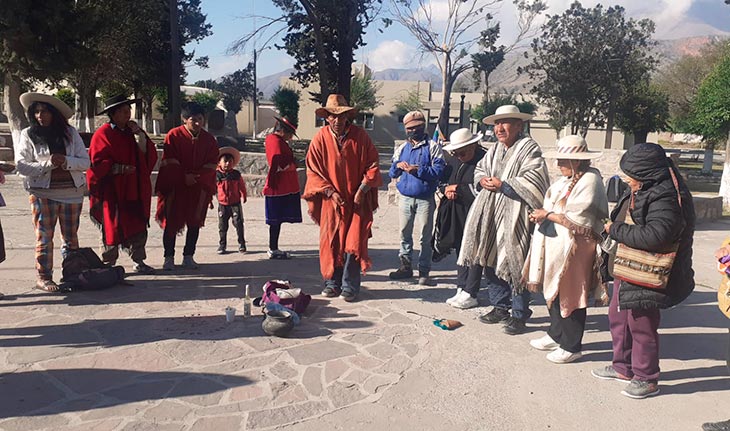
(47, 285)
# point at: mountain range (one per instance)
(505, 76)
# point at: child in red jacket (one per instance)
(231, 191)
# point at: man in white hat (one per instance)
(343, 176)
(418, 165)
(458, 195)
(512, 179)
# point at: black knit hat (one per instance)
(645, 162)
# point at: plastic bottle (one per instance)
(247, 304)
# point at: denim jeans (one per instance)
(501, 296)
(347, 277)
(421, 211)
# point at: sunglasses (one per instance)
(460, 153)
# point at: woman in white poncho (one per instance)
(563, 258)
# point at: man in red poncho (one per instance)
(186, 183)
(122, 157)
(343, 177)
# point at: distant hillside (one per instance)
(505, 77)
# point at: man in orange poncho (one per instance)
(343, 177)
(186, 183)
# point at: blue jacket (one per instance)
(430, 160)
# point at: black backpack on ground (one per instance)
(84, 270)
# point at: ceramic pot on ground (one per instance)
(278, 323)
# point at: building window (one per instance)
(366, 120)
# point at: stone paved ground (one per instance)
(158, 355)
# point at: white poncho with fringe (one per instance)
(563, 257)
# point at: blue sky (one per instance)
(395, 48)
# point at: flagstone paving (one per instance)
(159, 355)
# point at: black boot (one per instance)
(404, 271)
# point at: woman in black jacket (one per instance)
(660, 205)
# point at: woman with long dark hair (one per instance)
(51, 158)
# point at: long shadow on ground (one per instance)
(32, 393)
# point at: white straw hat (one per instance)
(507, 111)
(27, 99)
(461, 138)
(572, 147)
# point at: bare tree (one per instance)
(449, 35)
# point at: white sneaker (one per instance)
(464, 300)
(189, 263)
(544, 343)
(560, 356)
(450, 300)
(169, 264)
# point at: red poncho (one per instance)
(120, 204)
(282, 178)
(342, 229)
(179, 205)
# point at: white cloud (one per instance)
(391, 54)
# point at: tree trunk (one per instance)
(443, 121)
(147, 100)
(725, 181)
(707, 159)
(609, 127)
(230, 123)
(91, 108)
(640, 136)
(15, 112)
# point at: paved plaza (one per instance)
(159, 355)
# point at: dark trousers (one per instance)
(347, 276)
(234, 213)
(191, 239)
(635, 340)
(567, 331)
(502, 296)
(134, 245)
(469, 278)
(274, 231)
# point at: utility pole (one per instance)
(173, 91)
(255, 96)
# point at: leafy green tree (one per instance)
(237, 87)
(412, 100)
(681, 80)
(588, 58)
(491, 56)
(364, 91)
(321, 36)
(489, 106)
(286, 102)
(208, 100)
(67, 95)
(644, 110)
(710, 116)
(39, 41)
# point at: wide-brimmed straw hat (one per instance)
(27, 99)
(289, 124)
(507, 111)
(232, 151)
(115, 101)
(461, 138)
(572, 147)
(336, 105)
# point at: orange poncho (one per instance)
(342, 229)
